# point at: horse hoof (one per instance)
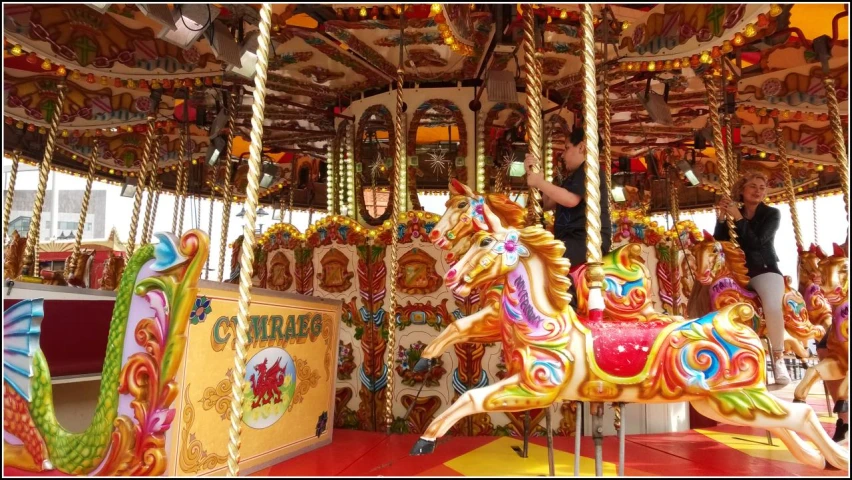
(423, 447)
(840, 430)
(422, 365)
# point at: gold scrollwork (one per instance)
(192, 458)
(306, 380)
(218, 398)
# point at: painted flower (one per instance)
(478, 211)
(511, 249)
(200, 310)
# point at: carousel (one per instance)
(395, 334)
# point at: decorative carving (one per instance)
(407, 358)
(344, 417)
(335, 276)
(279, 278)
(436, 317)
(218, 398)
(319, 74)
(422, 412)
(304, 271)
(426, 57)
(306, 380)
(192, 457)
(345, 361)
(417, 275)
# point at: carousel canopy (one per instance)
(182, 63)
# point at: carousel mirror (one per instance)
(373, 161)
(437, 144)
(505, 147)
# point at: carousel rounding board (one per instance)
(288, 404)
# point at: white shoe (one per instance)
(781, 376)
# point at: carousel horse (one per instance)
(715, 362)
(113, 269)
(833, 367)
(721, 267)
(14, 254)
(80, 276)
(627, 286)
(259, 270)
(810, 286)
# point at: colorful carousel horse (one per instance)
(810, 286)
(626, 296)
(715, 362)
(830, 294)
(720, 268)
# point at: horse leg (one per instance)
(504, 396)
(801, 419)
(482, 326)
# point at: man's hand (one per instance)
(534, 176)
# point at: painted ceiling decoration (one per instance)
(121, 64)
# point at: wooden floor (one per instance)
(717, 451)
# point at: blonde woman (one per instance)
(756, 224)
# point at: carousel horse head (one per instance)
(809, 260)
(834, 271)
(468, 212)
(715, 259)
(493, 256)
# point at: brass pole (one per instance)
(140, 187)
(151, 185)
(30, 263)
(210, 230)
(396, 208)
(532, 77)
(590, 117)
(721, 161)
(247, 248)
(84, 208)
(178, 183)
(839, 146)
(788, 184)
(10, 193)
(674, 201)
(150, 230)
(607, 119)
(236, 101)
(185, 178)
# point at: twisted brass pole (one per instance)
(236, 101)
(733, 172)
(674, 204)
(247, 249)
(292, 195)
(150, 229)
(607, 122)
(151, 184)
(30, 263)
(721, 161)
(84, 208)
(839, 146)
(140, 186)
(10, 193)
(178, 183)
(814, 205)
(532, 79)
(396, 207)
(788, 184)
(184, 178)
(210, 231)
(590, 117)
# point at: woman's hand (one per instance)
(728, 207)
(534, 177)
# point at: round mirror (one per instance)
(506, 146)
(373, 162)
(437, 145)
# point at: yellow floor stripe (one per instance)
(753, 445)
(498, 458)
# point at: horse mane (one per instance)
(509, 211)
(736, 262)
(542, 243)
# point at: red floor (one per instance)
(717, 451)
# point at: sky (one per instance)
(119, 210)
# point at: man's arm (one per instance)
(547, 203)
(559, 195)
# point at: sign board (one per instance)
(291, 365)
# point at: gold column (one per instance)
(733, 170)
(532, 73)
(396, 208)
(81, 223)
(140, 186)
(607, 120)
(185, 178)
(151, 185)
(593, 201)
(247, 248)
(788, 183)
(10, 193)
(674, 206)
(178, 181)
(839, 147)
(30, 263)
(236, 101)
(721, 161)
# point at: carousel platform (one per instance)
(716, 451)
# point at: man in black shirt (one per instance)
(569, 200)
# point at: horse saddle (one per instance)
(618, 351)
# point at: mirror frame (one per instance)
(459, 172)
(359, 188)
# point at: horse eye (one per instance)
(486, 242)
(462, 204)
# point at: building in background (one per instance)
(66, 211)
